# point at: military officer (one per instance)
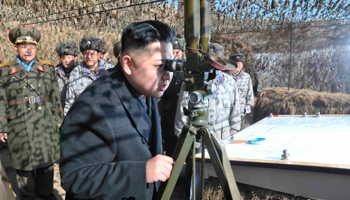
(179, 48)
(224, 107)
(30, 112)
(244, 84)
(87, 71)
(224, 112)
(68, 52)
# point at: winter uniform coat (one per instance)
(62, 78)
(81, 77)
(30, 120)
(224, 107)
(107, 137)
(245, 87)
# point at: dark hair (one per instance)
(139, 35)
(105, 49)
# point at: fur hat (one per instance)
(238, 57)
(179, 44)
(67, 48)
(91, 43)
(217, 49)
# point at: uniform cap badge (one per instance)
(175, 42)
(88, 42)
(28, 38)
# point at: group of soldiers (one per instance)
(35, 96)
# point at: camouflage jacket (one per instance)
(224, 108)
(79, 79)
(245, 87)
(29, 119)
(62, 78)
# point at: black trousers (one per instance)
(35, 184)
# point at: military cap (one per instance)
(117, 50)
(230, 66)
(238, 57)
(217, 49)
(91, 43)
(67, 48)
(24, 34)
(179, 44)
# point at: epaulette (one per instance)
(5, 64)
(45, 62)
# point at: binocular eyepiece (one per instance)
(173, 65)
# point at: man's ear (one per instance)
(16, 48)
(127, 65)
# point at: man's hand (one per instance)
(59, 125)
(158, 168)
(3, 137)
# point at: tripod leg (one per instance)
(194, 170)
(200, 168)
(220, 147)
(222, 166)
(180, 154)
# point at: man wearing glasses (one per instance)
(87, 71)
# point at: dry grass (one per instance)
(295, 102)
(51, 35)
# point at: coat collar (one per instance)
(16, 67)
(129, 99)
(142, 122)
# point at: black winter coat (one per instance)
(106, 141)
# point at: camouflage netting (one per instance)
(281, 101)
(261, 29)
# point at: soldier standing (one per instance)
(245, 86)
(87, 71)
(30, 113)
(224, 110)
(68, 52)
(224, 107)
(179, 48)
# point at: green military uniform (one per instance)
(32, 128)
(179, 44)
(30, 109)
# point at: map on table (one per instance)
(324, 140)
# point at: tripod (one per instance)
(196, 130)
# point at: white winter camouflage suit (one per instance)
(245, 87)
(224, 107)
(81, 77)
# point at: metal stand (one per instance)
(189, 135)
